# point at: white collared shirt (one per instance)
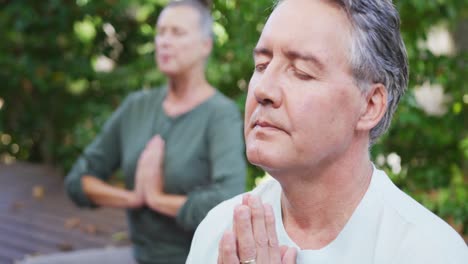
(388, 226)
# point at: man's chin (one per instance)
(263, 160)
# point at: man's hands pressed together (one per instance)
(253, 238)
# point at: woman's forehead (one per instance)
(181, 16)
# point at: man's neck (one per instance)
(318, 207)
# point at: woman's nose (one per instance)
(162, 40)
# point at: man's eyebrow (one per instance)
(294, 55)
(262, 51)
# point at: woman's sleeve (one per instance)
(228, 167)
(100, 159)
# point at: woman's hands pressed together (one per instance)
(253, 238)
(149, 174)
(149, 180)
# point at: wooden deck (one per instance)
(36, 216)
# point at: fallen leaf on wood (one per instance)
(89, 229)
(64, 246)
(120, 236)
(38, 192)
(72, 222)
(16, 206)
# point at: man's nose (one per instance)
(268, 90)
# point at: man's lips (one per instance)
(267, 125)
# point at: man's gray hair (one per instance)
(377, 54)
(206, 20)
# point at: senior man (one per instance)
(328, 77)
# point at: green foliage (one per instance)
(53, 98)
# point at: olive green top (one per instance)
(204, 159)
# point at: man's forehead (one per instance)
(309, 23)
(305, 13)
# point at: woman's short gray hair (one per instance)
(206, 20)
(377, 53)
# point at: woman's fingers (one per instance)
(154, 150)
(246, 246)
(159, 143)
(154, 140)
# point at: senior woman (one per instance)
(328, 77)
(180, 148)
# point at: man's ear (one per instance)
(375, 107)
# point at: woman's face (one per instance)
(180, 43)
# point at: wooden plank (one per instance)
(59, 219)
(10, 252)
(35, 242)
(5, 260)
(30, 225)
(46, 233)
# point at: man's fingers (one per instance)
(259, 229)
(283, 250)
(255, 230)
(270, 226)
(244, 233)
(289, 256)
(220, 249)
(245, 199)
(273, 245)
(227, 249)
